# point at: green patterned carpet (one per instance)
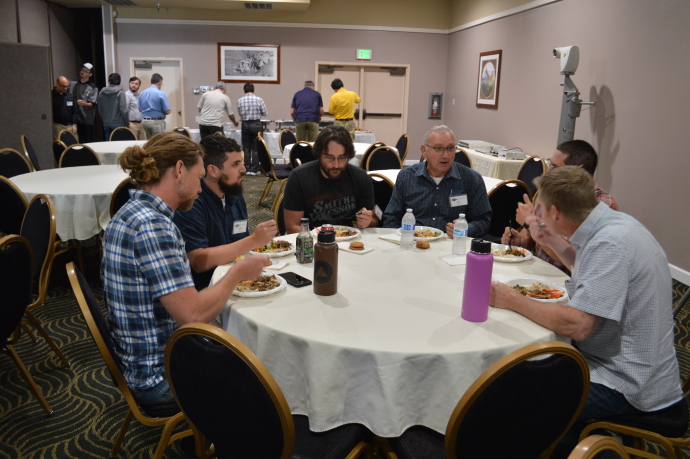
(88, 408)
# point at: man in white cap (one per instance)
(212, 106)
(85, 93)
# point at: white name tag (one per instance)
(459, 200)
(239, 226)
(69, 103)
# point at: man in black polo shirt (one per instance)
(215, 228)
(64, 108)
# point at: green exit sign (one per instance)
(364, 54)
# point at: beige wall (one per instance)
(466, 11)
(300, 49)
(632, 63)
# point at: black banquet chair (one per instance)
(367, 152)
(67, 138)
(383, 191)
(231, 398)
(183, 131)
(30, 153)
(532, 168)
(13, 206)
(505, 414)
(301, 153)
(599, 447)
(287, 137)
(120, 195)
(504, 199)
(383, 158)
(58, 149)
(167, 415)
(16, 272)
(403, 146)
(279, 215)
(464, 158)
(274, 172)
(13, 163)
(122, 133)
(79, 155)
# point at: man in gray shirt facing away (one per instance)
(112, 106)
(212, 106)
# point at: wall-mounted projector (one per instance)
(570, 58)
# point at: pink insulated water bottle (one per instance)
(475, 294)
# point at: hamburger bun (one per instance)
(356, 245)
(423, 245)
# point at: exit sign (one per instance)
(364, 54)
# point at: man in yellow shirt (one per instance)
(342, 106)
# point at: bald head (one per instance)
(61, 84)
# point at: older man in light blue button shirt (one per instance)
(153, 105)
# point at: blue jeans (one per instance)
(107, 130)
(156, 395)
(601, 403)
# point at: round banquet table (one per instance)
(390, 349)
(81, 196)
(108, 152)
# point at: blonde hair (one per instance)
(147, 164)
(570, 189)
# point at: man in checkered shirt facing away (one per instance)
(619, 315)
(145, 271)
(251, 109)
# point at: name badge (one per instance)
(69, 103)
(239, 226)
(457, 198)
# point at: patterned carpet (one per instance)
(88, 408)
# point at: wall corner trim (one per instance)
(503, 14)
(679, 274)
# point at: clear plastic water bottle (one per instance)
(407, 231)
(460, 236)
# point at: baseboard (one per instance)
(679, 274)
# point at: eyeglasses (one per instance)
(550, 165)
(331, 159)
(442, 149)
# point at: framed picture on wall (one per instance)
(489, 79)
(248, 63)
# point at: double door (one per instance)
(171, 71)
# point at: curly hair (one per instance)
(337, 134)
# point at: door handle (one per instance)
(389, 115)
(179, 112)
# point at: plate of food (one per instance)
(505, 254)
(425, 233)
(275, 248)
(342, 233)
(539, 290)
(266, 284)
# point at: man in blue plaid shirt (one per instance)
(146, 275)
(251, 109)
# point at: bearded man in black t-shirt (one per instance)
(330, 189)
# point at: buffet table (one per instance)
(390, 349)
(229, 130)
(493, 166)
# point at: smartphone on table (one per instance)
(295, 279)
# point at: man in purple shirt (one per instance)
(306, 110)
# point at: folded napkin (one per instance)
(391, 238)
(454, 260)
(346, 247)
(277, 265)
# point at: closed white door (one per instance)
(171, 71)
(350, 76)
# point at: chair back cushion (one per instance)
(524, 409)
(401, 146)
(68, 138)
(367, 152)
(58, 149)
(122, 133)
(383, 191)
(182, 131)
(287, 137)
(279, 216)
(264, 157)
(531, 169)
(462, 158)
(36, 228)
(383, 158)
(79, 155)
(12, 207)
(223, 396)
(31, 152)
(301, 151)
(120, 196)
(13, 163)
(15, 283)
(504, 201)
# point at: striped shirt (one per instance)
(602, 196)
(251, 107)
(621, 275)
(144, 258)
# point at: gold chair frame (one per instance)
(367, 152)
(17, 191)
(24, 157)
(276, 211)
(362, 449)
(9, 346)
(297, 160)
(280, 139)
(115, 193)
(384, 147)
(189, 134)
(122, 128)
(75, 147)
(591, 446)
(26, 152)
(64, 147)
(68, 132)
(533, 158)
(168, 423)
(469, 157)
(491, 374)
(506, 182)
(407, 149)
(271, 175)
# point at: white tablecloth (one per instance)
(365, 137)
(493, 166)
(81, 196)
(390, 349)
(392, 175)
(360, 149)
(273, 144)
(108, 152)
(229, 131)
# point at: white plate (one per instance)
(525, 282)
(435, 230)
(527, 256)
(339, 239)
(277, 254)
(283, 284)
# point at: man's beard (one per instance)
(230, 190)
(185, 204)
(334, 173)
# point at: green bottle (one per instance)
(304, 251)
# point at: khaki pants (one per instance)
(307, 131)
(349, 125)
(138, 130)
(153, 127)
(62, 127)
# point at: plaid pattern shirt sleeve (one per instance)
(143, 259)
(251, 107)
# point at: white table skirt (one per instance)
(390, 349)
(360, 149)
(108, 152)
(365, 137)
(81, 196)
(493, 166)
(229, 131)
(392, 175)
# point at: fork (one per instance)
(510, 237)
